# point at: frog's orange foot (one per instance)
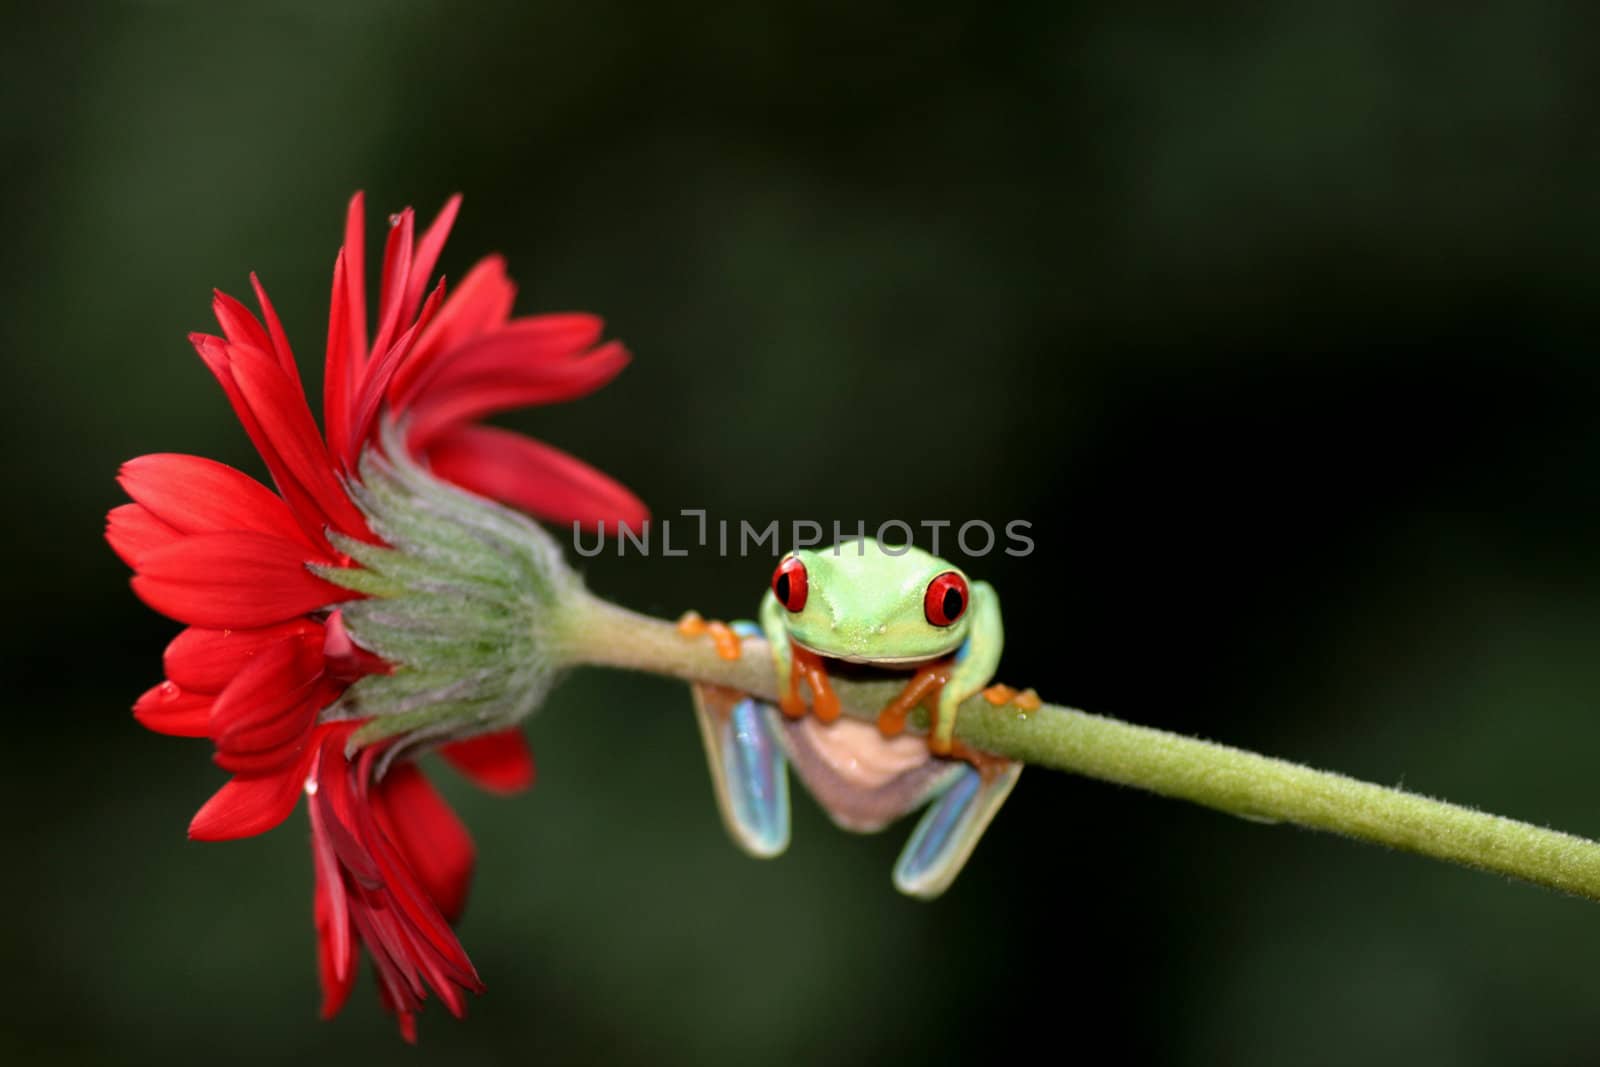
(726, 642)
(825, 705)
(892, 719)
(987, 764)
(924, 688)
(999, 695)
(806, 665)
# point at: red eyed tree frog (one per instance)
(859, 606)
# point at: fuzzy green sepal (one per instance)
(464, 599)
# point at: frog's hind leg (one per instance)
(949, 830)
(749, 771)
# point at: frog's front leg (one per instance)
(975, 663)
(794, 664)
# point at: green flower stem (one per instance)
(599, 633)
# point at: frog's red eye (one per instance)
(946, 599)
(789, 583)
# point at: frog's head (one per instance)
(868, 603)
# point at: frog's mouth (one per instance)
(864, 665)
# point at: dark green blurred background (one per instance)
(1280, 327)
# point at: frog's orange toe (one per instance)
(690, 626)
(807, 665)
(826, 705)
(986, 763)
(999, 695)
(923, 688)
(724, 639)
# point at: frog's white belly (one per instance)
(863, 780)
(861, 755)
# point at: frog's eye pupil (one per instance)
(946, 599)
(789, 584)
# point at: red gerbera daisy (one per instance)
(267, 654)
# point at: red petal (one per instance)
(169, 709)
(480, 303)
(364, 411)
(433, 944)
(427, 258)
(347, 324)
(134, 533)
(274, 733)
(532, 476)
(280, 340)
(511, 386)
(238, 325)
(355, 280)
(197, 495)
(395, 279)
(343, 659)
(233, 580)
(531, 361)
(266, 705)
(267, 746)
(216, 355)
(336, 386)
(206, 661)
(430, 836)
(250, 805)
(499, 762)
(335, 798)
(267, 761)
(335, 948)
(286, 423)
(335, 945)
